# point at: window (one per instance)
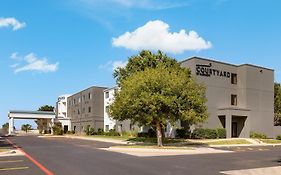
(107, 109)
(83, 98)
(233, 78)
(106, 94)
(233, 100)
(78, 111)
(90, 96)
(74, 128)
(79, 100)
(89, 109)
(106, 128)
(74, 101)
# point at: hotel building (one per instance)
(85, 108)
(240, 97)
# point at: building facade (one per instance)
(85, 108)
(109, 122)
(240, 97)
(61, 112)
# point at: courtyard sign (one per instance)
(207, 70)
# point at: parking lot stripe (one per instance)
(10, 161)
(39, 165)
(13, 168)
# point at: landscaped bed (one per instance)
(271, 141)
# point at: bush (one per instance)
(70, 132)
(278, 137)
(89, 130)
(57, 130)
(221, 133)
(257, 135)
(182, 133)
(202, 133)
(100, 132)
(111, 132)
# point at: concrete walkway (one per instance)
(149, 152)
(108, 140)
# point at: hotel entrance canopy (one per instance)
(17, 114)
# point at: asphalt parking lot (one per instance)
(73, 156)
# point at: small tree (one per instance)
(26, 127)
(5, 127)
(43, 123)
(160, 94)
(277, 104)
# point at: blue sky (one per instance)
(54, 47)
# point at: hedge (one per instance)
(205, 133)
(257, 135)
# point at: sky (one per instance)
(55, 47)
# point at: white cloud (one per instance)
(11, 22)
(155, 35)
(112, 65)
(32, 63)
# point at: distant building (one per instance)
(86, 108)
(109, 122)
(240, 97)
(61, 112)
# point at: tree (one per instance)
(42, 123)
(145, 59)
(159, 94)
(46, 108)
(5, 126)
(277, 104)
(26, 127)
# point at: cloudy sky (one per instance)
(54, 47)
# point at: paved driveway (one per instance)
(72, 157)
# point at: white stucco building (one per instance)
(61, 112)
(109, 123)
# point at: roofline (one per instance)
(32, 112)
(108, 89)
(87, 89)
(220, 62)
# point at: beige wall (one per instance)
(254, 90)
(94, 118)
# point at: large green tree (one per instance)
(26, 127)
(160, 94)
(145, 59)
(277, 104)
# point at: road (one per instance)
(63, 156)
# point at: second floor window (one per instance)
(233, 100)
(233, 78)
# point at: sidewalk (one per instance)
(108, 140)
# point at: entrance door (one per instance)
(65, 128)
(234, 132)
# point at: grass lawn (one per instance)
(4, 150)
(271, 141)
(228, 142)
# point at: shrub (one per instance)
(202, 133)
(221, 133)
(257, 135)
(143, 134)
(151, 133)
(100, 131)
(278, 137)
(57, 130)
(70, 132)
(111, 132)
(182, 133)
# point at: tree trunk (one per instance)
(159, 134)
